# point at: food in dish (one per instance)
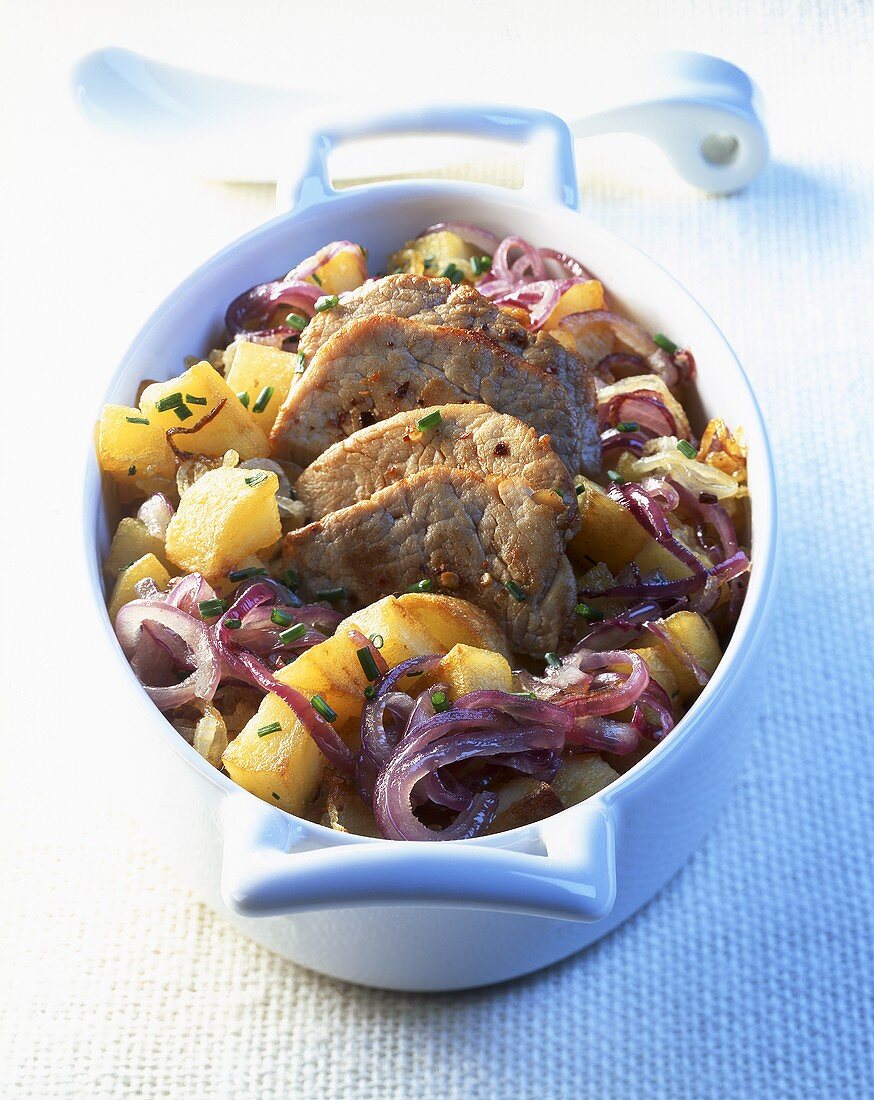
(431, 553)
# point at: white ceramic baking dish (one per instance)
(420, 916)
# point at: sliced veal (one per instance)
(490, 540)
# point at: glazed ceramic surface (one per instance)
(420, 916)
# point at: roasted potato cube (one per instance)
(694, 634)
(433, 254)
(344, 810)
(579, 298)
(660, 670)
(283, 767)
(345, 271)
(227, 514)
(125, 586)
(131, 445)
(593, 344)
(581, 776)
(254, 368)
(131, 542)
(466, 668)
(610, 534)
(234, 428)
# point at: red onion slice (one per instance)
(203, 680)
(312, 263)
(630, 334)
(480, 238)
(248, 315)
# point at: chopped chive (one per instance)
(368, 664)
(616, 478)
(324, 708)
(263, 398)
(586, 611)
(428, 261)
(524, 694)
(363, 251)
(293, 634)
(627, 426)
(516, 591)
(480, 264)
(432, 420)
(560, 496)
(301, 363)
(440, 701)
(294, 320)
(426, 585)
(553, 660)
(292, 580)
(332, 595)
(171, 401)
(579, 490)
(324, 304)
(244, 574)
(183, 412)
(316, 279)
(210, 608)
(452, 273)
(262, 731)
(370, 692)
(280, 617)
(275, 795)
(244, 399)
(192, 400)
(131, 470)
(233, 624)
(378, 641)
(686, 448)
(256, 479)
(136, 419)
(664, 343)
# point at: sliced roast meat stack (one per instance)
(468, 437)
(376, 367)
(439, 302)
(491, 540)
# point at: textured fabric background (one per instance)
(751, 974)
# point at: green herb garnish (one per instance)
(256, 479)
(370, 692)
(275, 795)
(323, 708)
(210, 608)
(586, 611)
(553, 660)
(332, 595)
(616, 478)
(293, 634)
(686, 448)
(324, 304)
(579, 490)
(292, 580)
(301, 363)
(377, 640)
(280, 617)
(432, 420)
(453, 273)
(664, 343)
(295, 321)
(426, 585)
(263, 398)
(233, 624)
(479, 265)
(131, 470)
(440, 701)
(183, 412)
(627, 426)
(316, 279)
(136, 420)
(516, 591)
(171, 401)
(244, 574)
(262, 731)
(244, 399)
(192, 400)
(367, 662)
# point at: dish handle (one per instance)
(273, 864)
(548, 146)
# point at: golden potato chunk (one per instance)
(345, 271)
(132, 540)
(125, 586)
(581, 776)
(227, 514)
(131, 445)
(691, 633)
(264, 374)
(579, 298)
(466, 668)
(199, 390)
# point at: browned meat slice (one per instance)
(471, 437)
(488, 533)
(439, 302)
(379, 366)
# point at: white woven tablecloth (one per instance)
(751, 974)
